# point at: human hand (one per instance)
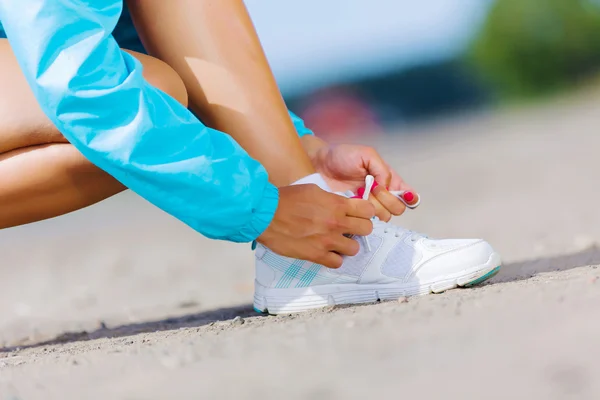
(345, 167)
(310, 224)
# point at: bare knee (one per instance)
(22, 121)
(160, 75)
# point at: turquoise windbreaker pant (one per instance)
(96, 96)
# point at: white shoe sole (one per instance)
(295, 300)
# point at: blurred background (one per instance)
(350, 67)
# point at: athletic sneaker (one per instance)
(393, 262)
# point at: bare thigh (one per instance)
(22, 122)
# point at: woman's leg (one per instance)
(213, 46)
(41, 174)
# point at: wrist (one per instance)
(314, 147)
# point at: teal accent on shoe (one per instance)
(308, 277)
(259, 311)
(290, 274)
(483, 278)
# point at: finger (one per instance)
(411, 198)
(391, 203)
(357, 226)
(377, 167)
(397, 183)
(344, 246)
(330, 260)
(380, 211)
(410, 195)
(360, 208)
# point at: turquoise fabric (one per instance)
(128, 38)
(95, 94)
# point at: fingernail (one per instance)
(409, 196)
(360, 192)
(375, 184)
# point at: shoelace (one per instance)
(387, 227)
(398, 230)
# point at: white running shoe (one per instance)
(393, 262)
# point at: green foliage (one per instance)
(533, 47)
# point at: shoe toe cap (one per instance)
(455, 258)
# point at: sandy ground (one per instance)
(120, 301)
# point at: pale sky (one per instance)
(310, 42)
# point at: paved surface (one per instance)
(120, 301)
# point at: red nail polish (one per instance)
(409, 196)
(375, 184)
(360, 192)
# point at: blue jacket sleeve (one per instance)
(96, 96)
(299, 125)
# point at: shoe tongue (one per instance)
(382, 224)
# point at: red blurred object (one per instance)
(337, 112)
